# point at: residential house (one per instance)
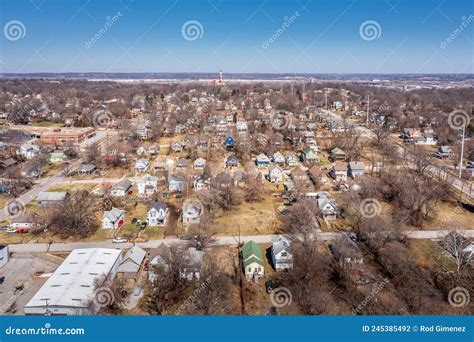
(51, 198)
(262, 160)
(278, 158)
(443, 151)
(291, 160)
(26, 222)
(122, 188)
(298, 175)
(199, 164)
(346, 251)
(177, 147)
(356, 169)
(252, 260)
(147, 185)
(4, 255)
(309, 155)
(339, 172)
(163, 162)
(28, 151)
(232, 161)
(182, 163)
(425, 139)
(157, 214)
(282, 256)
(338, 154)
(275, 174)
(142, 165)
(143, 131)
(113, 219)
(191, 213)
(327, 208)
(316, 175)
(201, 181)
(160, 261)
(131, 262)
(192, 264)
(86, 169)
(56, 157)
(176, 182)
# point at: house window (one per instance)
(250, 269)
(283, 254)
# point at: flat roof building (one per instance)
(72, 287)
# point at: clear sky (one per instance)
(310, 36)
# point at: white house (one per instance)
(157, 214)
(4, 255)
(327, 207)
(275, 174)
(122, 188)
(28, 151)
(191, 214)
(142, 165)
(278, 158)
(131, 262)
(114, 218)
(147, 185)
(199, 163)
(252, 259)
(356, 169)
(282, 257)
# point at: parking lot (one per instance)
(24, 275)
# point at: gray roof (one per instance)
(158, 205)
(123, 184)
(357, 166)
(51, 196)
(113, 215)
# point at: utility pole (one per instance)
(326, 98)
(368, 109)
(462, 150)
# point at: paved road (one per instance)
(43, 185)
(457, 183)
(218, 241)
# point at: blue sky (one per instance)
(321, 36)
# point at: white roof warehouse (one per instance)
(71, 288)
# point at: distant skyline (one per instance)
(246, 36)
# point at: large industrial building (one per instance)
(72, 287)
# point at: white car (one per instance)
(119, 240)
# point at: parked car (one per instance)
(470, 164)
(11, 230)
(185, 238)
(119, 240)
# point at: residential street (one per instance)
(218, 241)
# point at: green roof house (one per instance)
(253, 261)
